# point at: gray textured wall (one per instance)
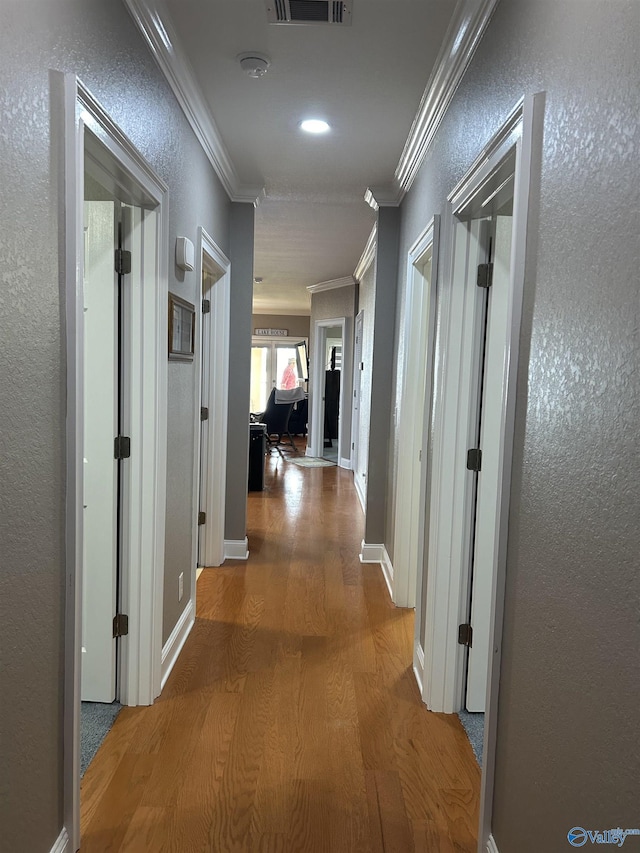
(381, 415)
(567, 748)
(241, 257)
(97, 40)
(297, 326)
(329, 305)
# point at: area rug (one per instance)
(311, 462)
(95, 721)
(474, 727)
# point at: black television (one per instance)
(302, 360)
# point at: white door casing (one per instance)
(89, 132)
(316, 397)
(414, 418)
(212, 391)
(515, 148)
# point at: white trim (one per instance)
(492, 847)
(217, 397)
(146, 506)
(370, 553)
(345, 462)
(236, 549)
(174, 64)
(62, 844)
(388, 196)
(418, 665)
(463, 36)
(412, 473)
(172, 648)
(369, 253)
(333, 284)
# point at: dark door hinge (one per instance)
(474, 459)
(122, 447)
(465, 635)
(206, 306)
(485, 275)
(123, 262)
(204, 413)
(120, 625)
(202, 518)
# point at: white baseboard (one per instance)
(357, 482)
(378, 554)
(236, 549)
(199, 571)
(308, 452)
(418, 665)
(174, 644)
(345, 463)
(492, 847)
(63, 844)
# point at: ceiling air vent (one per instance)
(309, 11)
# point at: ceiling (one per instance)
(366, 79)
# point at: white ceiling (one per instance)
(366, 80)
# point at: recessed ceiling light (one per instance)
(314, 125)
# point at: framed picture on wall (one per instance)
(182, 326)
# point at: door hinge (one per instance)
(202, 518)
(474, 459)
(120, 625)
(485, 275)
(122, 447)
(206, 306)
(465, 635)
(204, 413)
(123, 262)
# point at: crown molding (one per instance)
(368, 255)
(334, 284)
(387, 196)
(467, 27)
(166, 49)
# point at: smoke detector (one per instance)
(254, 64)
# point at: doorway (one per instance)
(414, 428)
(476, 369)
(122, 402)
(330, 375)
(212, 389)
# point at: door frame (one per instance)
(316, 444)
(140, 658)
(213, 339)
(447, 581)
(410, 516)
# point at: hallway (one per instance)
(292, 721)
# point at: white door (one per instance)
(100, 467)
(205, 414)
(488, 484)
(357, 374)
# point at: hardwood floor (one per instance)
(292, 722)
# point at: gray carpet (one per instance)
(96, 719)
(474, 727)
